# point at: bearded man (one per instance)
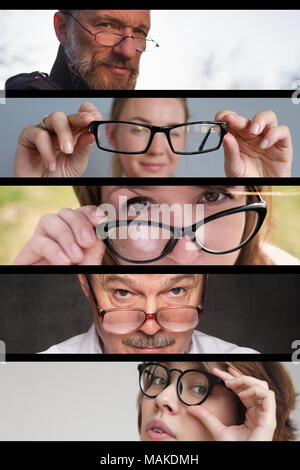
(99, 50)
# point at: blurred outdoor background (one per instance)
(199, 49)
(21, 207)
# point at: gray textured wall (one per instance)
(257, 311)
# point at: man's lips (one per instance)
(118, 70)
(148, 349)
(158, 430)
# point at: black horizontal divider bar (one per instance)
(140, 454)
(149, 93)
(148, 269)
(175, 181)
(146, 357)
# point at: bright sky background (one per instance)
(199, 49)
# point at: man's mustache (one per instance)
(116, 61)
(146, 341)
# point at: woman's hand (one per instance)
(256, 148)
(260, 404)
(65, 238)
(62, 152)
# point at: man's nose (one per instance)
(126, 47)
(150, 327)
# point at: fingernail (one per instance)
(87, 236)
(52, 166)
(254, 129)
(77, 253)
(68, 146)
(264, 144)
(63, 257)
(99, 212)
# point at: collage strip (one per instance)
(163, 309)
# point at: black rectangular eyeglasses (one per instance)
(132, 138)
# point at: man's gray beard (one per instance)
(146, 341)
(85, 66)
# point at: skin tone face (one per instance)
(200, 201)
(103, 67)
(168, 411)
(159, 160)
(148, 292)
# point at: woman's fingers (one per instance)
(279, 136)
(210, 421)
(257, 396)
(88, 107)
(33, 138)
(250, 128)
(65, 126)
(234, 165)
(65, 238)
(41, 248)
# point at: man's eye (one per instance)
(122, 292)
(177, 291)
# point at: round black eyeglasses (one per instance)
(146, 241)
(188, 138)
(193, 385)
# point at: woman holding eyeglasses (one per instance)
(148, 136)
(223, 401)
(206, 225)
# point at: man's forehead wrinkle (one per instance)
(126, 19)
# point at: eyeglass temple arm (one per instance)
(99, 310)
(77, 21)
(205, 139)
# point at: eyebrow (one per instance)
(113, 19)
(129, 281)
(145, 120)
(153, 188)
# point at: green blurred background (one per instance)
(22, 206)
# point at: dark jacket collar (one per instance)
(63, 75)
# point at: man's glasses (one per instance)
(146, 241)
(109, 39)
(189, 138)
(193, 385)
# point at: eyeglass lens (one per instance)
(193, 386)
(142, 44)
(133, 138)
(127, 321)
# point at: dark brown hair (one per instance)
(279, 381)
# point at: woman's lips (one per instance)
(158, 430)
(154, 167)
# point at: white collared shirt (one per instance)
(88, 343)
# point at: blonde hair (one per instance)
(116, 109)
(278, 380)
